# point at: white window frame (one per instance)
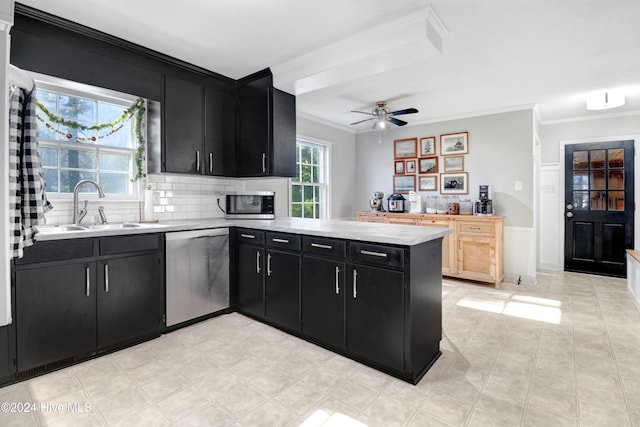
(325, 200)
(66, 87)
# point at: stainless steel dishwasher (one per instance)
(197, 267)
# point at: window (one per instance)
(70, 155)
(309, 187)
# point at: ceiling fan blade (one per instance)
(405, 111)
(396, 121)
(363, 112)
(361, 121)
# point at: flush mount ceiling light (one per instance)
(605, 99)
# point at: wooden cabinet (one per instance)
(266, 138)
(474, 249)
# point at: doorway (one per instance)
(599, 207)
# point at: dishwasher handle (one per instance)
(196, 234)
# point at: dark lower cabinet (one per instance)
(375, 315)
(282, 289)
(6, 354)
(128, 298)
(55, 313)
(250, 279)
(322, 299)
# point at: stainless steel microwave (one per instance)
(251, 205)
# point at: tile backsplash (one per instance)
(175, 197)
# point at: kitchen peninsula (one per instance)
(371, 292)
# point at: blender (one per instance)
(376, 202)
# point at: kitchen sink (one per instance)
(70, 228)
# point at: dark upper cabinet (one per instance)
(219, 133)
(266, 131)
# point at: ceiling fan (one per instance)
(382, 114)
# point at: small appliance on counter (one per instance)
(396, 203)
(376, 202)
(415, 202)
(251, 205)
(484, 206)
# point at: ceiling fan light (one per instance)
(381, 124)
(605, 99)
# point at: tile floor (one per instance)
(563, 352)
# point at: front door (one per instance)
(598, 207)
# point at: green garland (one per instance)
(136, 109)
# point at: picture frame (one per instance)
(410, 166)
(454, 183)
(454, 143)
(428, 146)
(428, 165)
(398, 167)
(404, 183)
(453, 164)
(405, 148)
(428, 183)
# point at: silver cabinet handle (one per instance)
(106, 277)
(198, 160)
(269, 265)
(355, 284)
(248, 236)
(280, 240)
(210, 162)
(569, 214)
(318, 245)
(380, 254)
(88, 281)
(258, 262)
(264, 163)
(337, 280)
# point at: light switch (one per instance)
(518, 185)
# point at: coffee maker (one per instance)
(376, 202)
(484, 206)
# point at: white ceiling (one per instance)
(447, 58)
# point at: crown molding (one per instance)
(590, 118)
(6, 14)
(325, 122)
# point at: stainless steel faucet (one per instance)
(78, 216)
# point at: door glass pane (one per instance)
(597, 159)
(598, 200)
(598, 181)
(616, 157)
(581, 200)
(616, 180)
(616, 200)
(580, 181)
(580, 160)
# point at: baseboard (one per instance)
(549, 266)
(525, 279)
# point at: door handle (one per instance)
(87, 281)
(197, 160)
(569, 214)
(258, 262)
(269, 265)
(355, 284)
(210, 162)
(337, 280)
(106, 277)
(264, 163)
(569, 206)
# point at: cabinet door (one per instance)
(249, 280)
(183, 127)
(128, 299)
(449, 261)
(322, 297)
(282, 289)
(55, 313)
(476, 258)
(375, 306)
(254, 130)
(6, 368)
(219, 136)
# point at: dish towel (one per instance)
(27, 199)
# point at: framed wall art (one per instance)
(404, 183)
(454, 143)
(428, 146)
(454, 183)
(398, 167)
(428, 183)
(404, 148)
(410, 166)
(453, 164)
(428, 165)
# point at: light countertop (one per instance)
(405, 235)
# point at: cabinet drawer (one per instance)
(247, 235)
(57, 250)
(125, 244)
(370, 218)
(324, 247)
(402, 221)
(376, 254)
(283, 240)
(482, 228)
